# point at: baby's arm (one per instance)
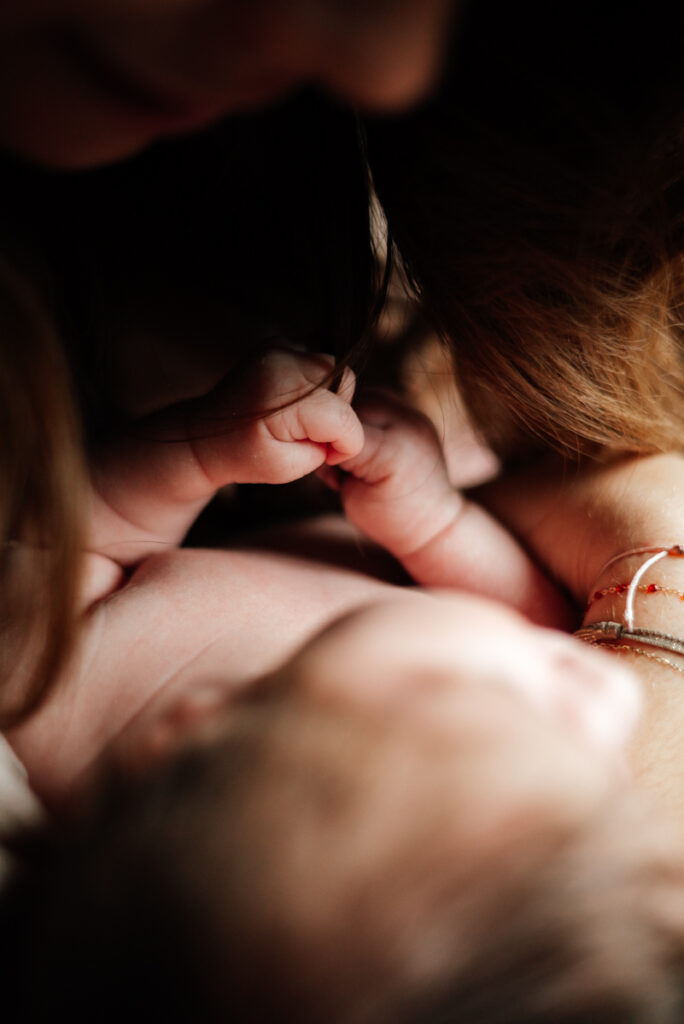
(149, 487)
(396, 490)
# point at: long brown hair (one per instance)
(41, 501)
(256, 229)
(314, 865)
(538, 206)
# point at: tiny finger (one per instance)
(328, 419)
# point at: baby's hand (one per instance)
(272, 423)
(396, 489)
(284, 422)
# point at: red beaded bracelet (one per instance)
(631, 588)
(642, 588)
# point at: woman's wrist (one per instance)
(636, 606)
(640, 588)
(647, 634)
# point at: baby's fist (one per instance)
(286, 422)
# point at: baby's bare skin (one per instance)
(395, 488)
(190, 617)
(185, 616)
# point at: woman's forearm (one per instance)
(577, 521)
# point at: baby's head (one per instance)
(439, 850)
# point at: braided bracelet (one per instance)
(615, 632)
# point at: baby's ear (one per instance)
(155, 737)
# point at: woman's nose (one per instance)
(377, 54)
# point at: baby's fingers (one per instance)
(326, 418)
